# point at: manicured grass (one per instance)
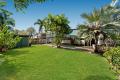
(46, 63)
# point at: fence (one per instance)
(24, 42)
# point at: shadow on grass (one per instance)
(7, 70)
(98, 77)
(15, 52)
(8, 67)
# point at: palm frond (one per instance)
(11, 22)
(22, 4)
(2, 3)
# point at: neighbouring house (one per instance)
(72, 39)
(42, 38)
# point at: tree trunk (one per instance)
(96, 48)
(46, 37)
(39, 38)
(96, 41)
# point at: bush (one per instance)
(7, 39)
(113, 57)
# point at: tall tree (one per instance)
(40, 23)
(7, 39)
(5, 16)
(30, 31)
(99, 21)
(58, 24)
(23, 4)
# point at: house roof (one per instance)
(23, 35)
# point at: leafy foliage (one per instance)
(101, 21)
(113, 57)
(111, 52)
(30, 31)
(58, 24)
(2, 3)
(23, 4)
(40, 23)
(5, 16)
(8, 38)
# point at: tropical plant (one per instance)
(7, 38)
(58, 24)
(40, 23)
(84, 31)
(5, 16)
(98, 22)
(113, 57)
(23, 4)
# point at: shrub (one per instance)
(113, 57)
(7, 38)
(112, 54)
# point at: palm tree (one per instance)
(114, 2)
(5, 16)
(85, 33)
(22, 4)
(58, 24)
(40, 23)
(99, 20)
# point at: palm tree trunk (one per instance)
(46, 37)
(96, 48)
(39, 38)
(96, 41)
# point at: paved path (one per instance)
(85, 48)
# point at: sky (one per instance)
(71, 8)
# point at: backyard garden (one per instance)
(47, 63)
(54, 53)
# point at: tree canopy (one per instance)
(59, 25)
(30, 31)
(5, 16)
(23, 4)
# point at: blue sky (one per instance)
(71, 8)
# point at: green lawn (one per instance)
(46, 63)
